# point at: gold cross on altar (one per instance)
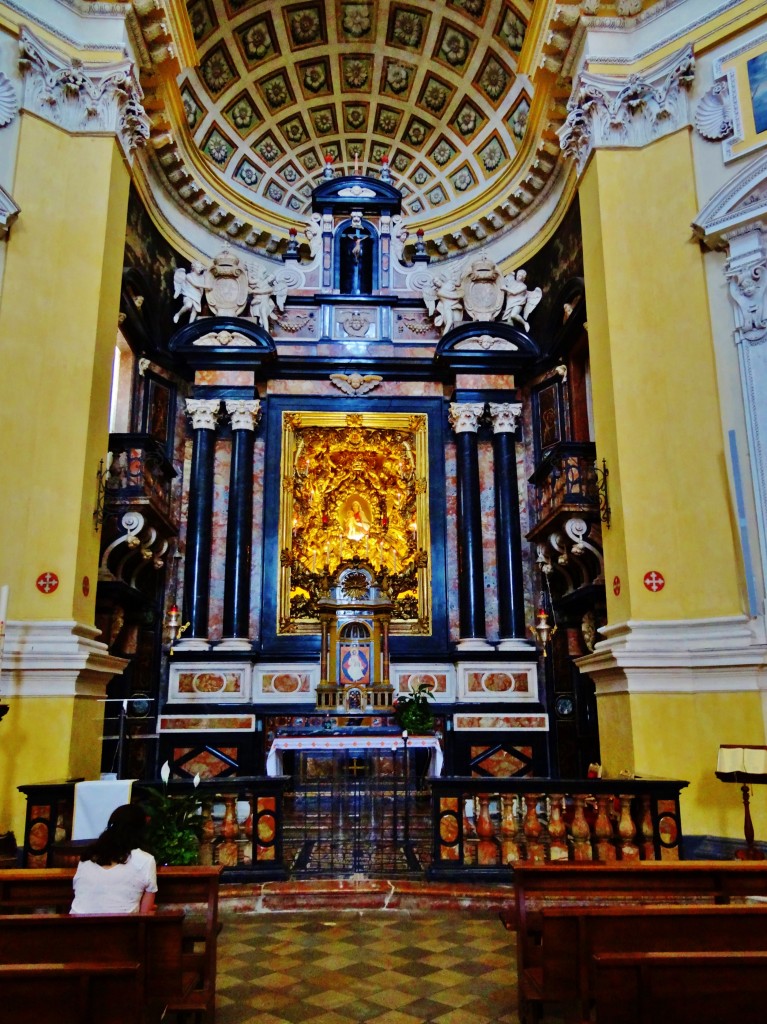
(354, 768)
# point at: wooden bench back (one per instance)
(686, 988)
(571, 937)
(75, 993)
(152, 940)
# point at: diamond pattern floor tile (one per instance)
(366, 967)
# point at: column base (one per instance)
(56, 658)
(515, 643)
(235, 643)
(192, 643)
(475, 643)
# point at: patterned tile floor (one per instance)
(372, 967)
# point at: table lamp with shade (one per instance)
(747, 765)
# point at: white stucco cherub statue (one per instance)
(261, 288)
(520, 300)
(189, 286)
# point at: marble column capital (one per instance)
(465, 416)
(244, 414)
(203, 412)
(504, 416)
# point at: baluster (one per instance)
(603, 830)
(207, 833)
(627, 830)
(227, 851)
(648, 833)
(580, 831)
(557, 828)
(510, 851)
(533, 829)
(487, 852)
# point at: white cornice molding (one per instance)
(615, 111)
(679, 656)
(80, 98)
(56, 658)
(82, 25)
(740, 203)
(9, 211)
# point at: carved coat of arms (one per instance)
(482, 286)
(226, 285)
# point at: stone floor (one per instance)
(378, 967)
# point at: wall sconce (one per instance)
(543, 630)
(746, 765)
(173, 619)
(602, 492)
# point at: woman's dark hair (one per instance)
(124, 832)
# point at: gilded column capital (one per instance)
(203, 412)
(504, 417)
(631, 111)
(244, 414)
(97, 99)
(465, 416)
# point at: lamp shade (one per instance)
(742, 763)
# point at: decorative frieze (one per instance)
(244, 414)
(203, 412)
(465, 416)
(612, 111)
(504, 417)
(93, 98)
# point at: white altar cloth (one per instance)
(309, 744)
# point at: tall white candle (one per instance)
(3, 603)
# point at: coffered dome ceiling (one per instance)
(283, 86)
(463, 97)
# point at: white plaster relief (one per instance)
(9, 211)
(465, 416)
(505, 416)
(203, 412)
(9, 104)
(714, 114)
(612, 111)
(78, 97)
(244, 414)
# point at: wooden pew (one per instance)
(186, 887)
(73, 993)
(48, 941)
(686, 988)
(572, 936)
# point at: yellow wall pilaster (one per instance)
(58, 322)
(656, 407)
(658, 425)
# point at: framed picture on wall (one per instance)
(548, 417)
(745, 73)
(157, 408)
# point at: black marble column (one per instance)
(508, 536)
(244, 416)
(199, 530)
(464, 418)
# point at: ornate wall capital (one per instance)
(505, 416)
(78, 97)
(244, 414)
(9, 211)
(203, 412)
(611, 111)
(746, 272)
(465, 416)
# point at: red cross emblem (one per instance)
(654, 581)
(86, 586)
(47, 582)
(616, 585)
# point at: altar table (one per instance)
(317, 744)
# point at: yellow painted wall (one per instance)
(678, 736)
(58, 322)
(656, 409)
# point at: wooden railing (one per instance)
(565, 480)
(486, 826)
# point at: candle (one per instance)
(3, 603)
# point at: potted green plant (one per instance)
(174, 823)
(412, 711)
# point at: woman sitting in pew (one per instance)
(115, 876)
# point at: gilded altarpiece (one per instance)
(354, 490)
